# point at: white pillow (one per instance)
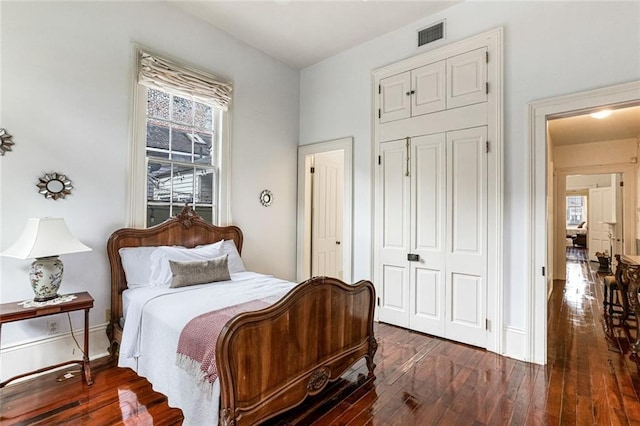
(161, 270)
(136, 262)
(235, 261)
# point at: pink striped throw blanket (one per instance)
(196, 352)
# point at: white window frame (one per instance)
(137, 191)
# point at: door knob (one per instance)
(338, 242)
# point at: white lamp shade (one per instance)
(44, 237)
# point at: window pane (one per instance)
(202, 148)
(157, 104)
(157, 214)
(182, 110)
(157, 139)
(158, 181)
(205, 213)
(182, 184)
(203, 116)
(180, 145)
(204, 186)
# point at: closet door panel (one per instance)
(395, 98)
(392, 236)
(428, 204)
(426, 303)
(429, 86)
(466, 236)
(466, 309)
(467, 78)
(428, 192)
(393, 294)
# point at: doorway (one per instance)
(325, 210)
(545, 175)
(593, 212)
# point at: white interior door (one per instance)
(599, 211)
(392, 236)
(428, 214)
(327, 213)
(466, 236)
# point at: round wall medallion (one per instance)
(266, 198)
(5, 141)
(54, 185)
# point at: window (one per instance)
(182, 156)
(575, 210)
(179, 144)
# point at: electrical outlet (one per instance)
(107, 315)
(52, 327)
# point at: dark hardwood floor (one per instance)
(591, 378)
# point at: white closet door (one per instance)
(428, 213)
(429, 85)
(395, 97)
(466, 236)
(467, 78)
(392, 206)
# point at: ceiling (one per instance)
(623, 123)
(301, 33)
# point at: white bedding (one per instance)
(156, 316)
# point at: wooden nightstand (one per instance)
(12, 311)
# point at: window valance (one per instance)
(164, 74)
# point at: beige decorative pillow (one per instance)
(199, 271)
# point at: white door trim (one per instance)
(538, 112)
(303, 226)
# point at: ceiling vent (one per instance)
(431, 34)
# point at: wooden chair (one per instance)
(612, 283)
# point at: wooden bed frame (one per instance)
(270, 360)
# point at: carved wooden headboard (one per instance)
(186, 229)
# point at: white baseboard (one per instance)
(514, 343)
(23, 357)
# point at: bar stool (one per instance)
(612, 283)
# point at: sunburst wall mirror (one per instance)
(266, 198)
(54, 185)
(5, 141)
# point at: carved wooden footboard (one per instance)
(271, 360)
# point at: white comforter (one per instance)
(156, 316)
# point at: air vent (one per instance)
(431, 34)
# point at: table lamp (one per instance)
(44, 239)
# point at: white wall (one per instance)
(551, 49)
(620, 151)
(583, 182)
(66, 98)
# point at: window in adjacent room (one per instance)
(576, 209)
(180, 143)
